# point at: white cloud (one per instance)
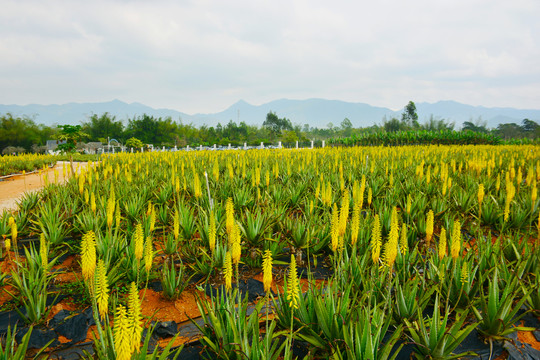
(201, 56)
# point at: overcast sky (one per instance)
(202, 56)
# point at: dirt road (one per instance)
(13, 188)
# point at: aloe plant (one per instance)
(459, 284)
(86, 221)
(31, 280)
(365, 338)
(230, 332)
(188, 225)
(497, 312)
(408, 301)
(435, 338)
(533, 289)
(173, 280)
(255, 227)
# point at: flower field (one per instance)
(360, 253)
(10, 164)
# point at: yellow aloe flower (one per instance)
(102, 289)
(376, 239)
(335, 228)
(404, 244)
(176, 225)
(355, 223)
(391, 247)
(138, 240)
(455, 245)
(134, 317)
(465, 273)
(429, 227)
(480, 199)
(293, 286)
(229, 216)
(122, 335)
(344, 213)
(93, 202)
(43, 251)
(148, 254)
(442, 244)
(267, 271)
(228, 271)
(212, 232)
(88, 255)
(236, 249)
(197, 186)
(14, 233)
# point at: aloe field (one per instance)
(342, 253)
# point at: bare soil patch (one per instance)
(12, 189)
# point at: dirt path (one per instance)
(13, 188)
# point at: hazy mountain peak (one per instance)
(314, 111)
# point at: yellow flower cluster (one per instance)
(267, 270)
(429, 227)
(376, 239)
(455, 245)
(102, 288)
(442, 244)
(212, 232)
(138, 241)
(391, 247)
(228, 271)
(88, 255)
(229, 216)
(293, 286)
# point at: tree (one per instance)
(346, 124)
(346, 127)
(71, 134)
(103, 127)
(434, 124)
(19, 132)
(509, 131)
(530, 128)
(394, 125)
(13, 150)
(478, 126)
(276, 125)
(409, 115)
(289, 136)
(134, 143)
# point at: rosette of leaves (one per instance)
(435, 338)
(497, 311)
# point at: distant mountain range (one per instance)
(315, 112)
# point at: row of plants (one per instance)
(377, 217)
(423, 137)
(16, 164)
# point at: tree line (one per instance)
(22, 134)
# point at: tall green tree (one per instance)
(19, 132)
(71, 134)
(434, 124)
(346, 127)
(477, 126)
(394, 125)
(530, 128)
(103, 127)
(276, 125)
(409, 115)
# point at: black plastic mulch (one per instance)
(253, 288)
